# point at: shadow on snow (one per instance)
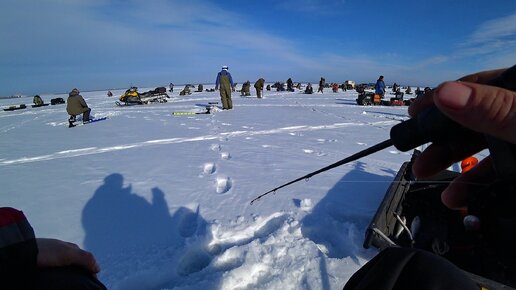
(338, 222)
(138, 244)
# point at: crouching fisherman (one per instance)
(76, 105)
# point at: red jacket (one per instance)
(18, 248)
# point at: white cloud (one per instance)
(139, 39)
(495, 29)
(491, 37)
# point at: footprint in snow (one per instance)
(305, 204)
(296, 134)
(310, 151)
(225, 155)
(193, 261)
(215, 147)
(326, 140)
(223, 185)
(209, 168)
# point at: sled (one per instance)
(75, 123)
(40, 105)
(14, 108)
(412, 215)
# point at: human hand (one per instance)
(57, 253)
(479, 107)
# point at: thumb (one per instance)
(482, 108)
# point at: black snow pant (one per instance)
(408, 269)
(64, 278)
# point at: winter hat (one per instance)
(225, 67)
(74, 92)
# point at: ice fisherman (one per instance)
(379, 87)
(258, 85)
(225, 82)
(27, 262)
(76, 105)
(246, 89)
(322, 83)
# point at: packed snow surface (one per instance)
(163, 201)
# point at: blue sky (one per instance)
(50, 46)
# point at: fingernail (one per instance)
(453, 95)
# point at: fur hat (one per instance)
(74, 92)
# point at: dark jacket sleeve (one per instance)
(231, 80)
(217, 81)
(18, 248)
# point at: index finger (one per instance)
(427, 99)
(482, 77)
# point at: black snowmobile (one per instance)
(57, 101)
(479, 241)
(365, 98)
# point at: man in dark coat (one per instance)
(76, 105)
(290, 85)
(225, 82)
(309, 89)
(258, 85)
(322, 83)
(246, 89)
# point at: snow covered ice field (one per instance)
(164, 201)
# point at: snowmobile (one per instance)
(57, 101)
(365, 99)
(478, 240)
(132, 97)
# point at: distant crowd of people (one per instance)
(76, 104)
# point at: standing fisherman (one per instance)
(259, 87)
(225, 81)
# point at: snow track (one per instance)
(70, 153)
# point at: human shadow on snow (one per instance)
(338, 221)
(130, 235)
